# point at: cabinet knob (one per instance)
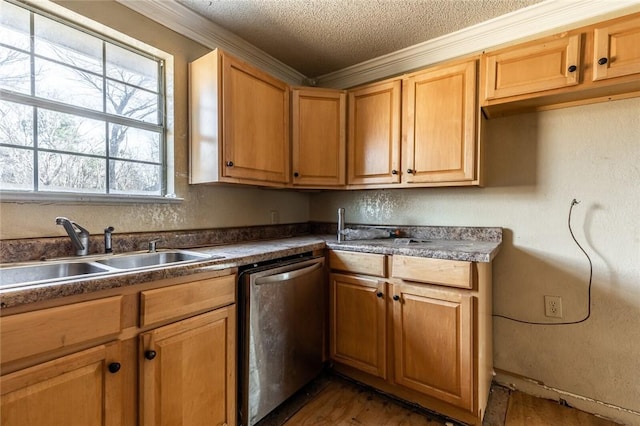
(379, 294)
(573, 68)
(410, 171)
(150, 354)
(229, 163)
(296, 174)
(394, 172)
(396, 297)
(602, 61)
(114, 367)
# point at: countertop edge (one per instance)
(235, 256)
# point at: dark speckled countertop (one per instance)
(470, 251)
(468, 244)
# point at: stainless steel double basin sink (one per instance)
(58, 270)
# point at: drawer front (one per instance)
(182, 300)
(452, 273)
(38, 332)
(358, 263)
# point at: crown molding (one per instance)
(182, 20)
(547, 17)
(538, 20)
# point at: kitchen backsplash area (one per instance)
(23, 250)
(29, 249)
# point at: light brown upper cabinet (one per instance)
(542, 65)
(318, 137)
(440, 114)
(616, 50)
(239, 123)
(373, 145)
(596, 63)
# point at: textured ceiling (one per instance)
(316, 37)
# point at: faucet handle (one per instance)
(153, 244)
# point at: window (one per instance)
(79, 113)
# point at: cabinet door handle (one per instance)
(379, 294)
(410, 171)
(150, 354)
(572, 68)
(296, 174)
(114, 367)
(602, 61)
(396, 297)
(394, 172)
(229, 163)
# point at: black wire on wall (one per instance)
(573, 203)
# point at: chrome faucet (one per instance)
(79, 236)
(153, 245)
(340, 224)
(107, 239)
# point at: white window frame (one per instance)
(101, 31)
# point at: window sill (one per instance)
(70, 198)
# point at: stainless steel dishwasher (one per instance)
(281, 333)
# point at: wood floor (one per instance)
(333, 400)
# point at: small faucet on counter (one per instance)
(341, 224)
(79, 236)
(107, 239)
(153, 245)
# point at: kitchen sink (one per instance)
(58, 270)
(47, 272)
(144, 260)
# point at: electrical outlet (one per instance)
(553, 306)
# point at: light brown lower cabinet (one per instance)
(433, 342)
(187, 376)
(82, 389)
(358, 321)
(414, 334)
(159, 353)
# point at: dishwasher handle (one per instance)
(289, 275)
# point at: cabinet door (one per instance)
(255, 124)
(358, 312)
(374, 134)
(548, 64)
(76, 389)
(439, 118)
(433, 342)
(318, 132)
(187, 376)
(617, 49)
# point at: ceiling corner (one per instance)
(188, 23)
(541, 19)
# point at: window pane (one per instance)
(132, 102)
(67, 85)
(68, 45)
(14, 26)
(134, 144)
(62, 172)
(16, 169)
(65, 132)
(16, 124)
(129, 67)
(15, 71)
(135, 178)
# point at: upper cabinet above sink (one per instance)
(239, 127)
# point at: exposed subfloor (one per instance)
(335, 400)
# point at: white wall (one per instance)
(536, 164)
